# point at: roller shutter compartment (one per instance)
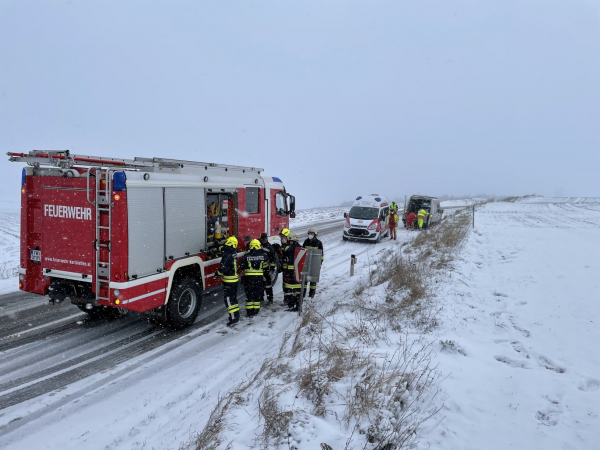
(146, 226)
(185, 217)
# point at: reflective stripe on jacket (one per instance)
(316, 244)
(228, 268)
(289, 253)
(254, 263)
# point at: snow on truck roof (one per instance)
(373, 200)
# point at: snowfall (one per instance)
(515, 349)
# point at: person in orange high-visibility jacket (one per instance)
(410, 220)
(421, 217)
(393, 224)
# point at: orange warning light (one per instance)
(117, 197)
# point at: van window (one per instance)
(363, 212)
(252, 196)
(281, 204)
(384, 213)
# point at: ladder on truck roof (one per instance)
(103, 204)
(65, 159)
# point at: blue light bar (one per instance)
(277, 180)
(119, 181)
(377, 199)
(359, 197)
(23, 174)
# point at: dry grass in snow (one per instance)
(358, 370)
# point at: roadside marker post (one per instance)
(352, 262)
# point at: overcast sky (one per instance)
(337, 98)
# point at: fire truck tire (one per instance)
(275, 272)
(184, 303)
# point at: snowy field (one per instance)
(522, 311)
(306, 217)
(9, 251)
(519, 317)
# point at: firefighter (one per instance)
(283, 237)
(291, 287)
(394, 206)
(313, 242)
(229, 272)
(421, 217)
(254, 264)
(272, 265)
(393, 224)
(410, 220)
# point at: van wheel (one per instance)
(184, 303)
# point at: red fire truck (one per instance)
(141, 235)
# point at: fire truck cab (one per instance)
(143, 235)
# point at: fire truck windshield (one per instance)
(363, 212)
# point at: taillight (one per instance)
(117, 276)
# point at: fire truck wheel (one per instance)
(275, 272)
(184, 303)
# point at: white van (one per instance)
(368, 219)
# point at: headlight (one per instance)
(373, 226)
(116, 293)
(347, 225)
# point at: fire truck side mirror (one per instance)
(292, 207)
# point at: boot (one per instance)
(232, 322)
